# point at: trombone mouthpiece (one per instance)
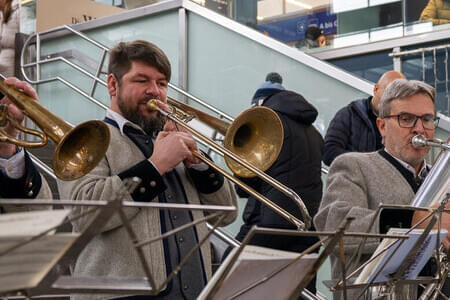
(419, 141)
(151, 105)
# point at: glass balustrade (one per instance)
(343, 22)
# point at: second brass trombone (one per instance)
(241, 132)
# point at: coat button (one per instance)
(30, 194)
(142, 190)
(152, 183)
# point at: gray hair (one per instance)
(402, 88)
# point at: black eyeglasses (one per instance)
(407, 120)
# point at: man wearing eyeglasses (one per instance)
(358, 183)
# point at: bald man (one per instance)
(353, 128)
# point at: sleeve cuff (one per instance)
(206, 181)
(151, 184)
(27, 186)
(14, 166)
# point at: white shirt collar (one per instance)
(121, 121)
(422, 172)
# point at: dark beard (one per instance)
(150, 126)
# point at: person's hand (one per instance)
(7, 149)
(173, 127)
(162, 105)
(171, 148)
(445, 223)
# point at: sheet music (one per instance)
(25, 267)
(256, 263)
(422, 256)
(31, 222)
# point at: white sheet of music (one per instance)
(420, 259)
(25, 267)
(30, 222)
(256, 263)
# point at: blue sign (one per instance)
(294, 29)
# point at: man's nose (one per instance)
(418, 127)
(152, 88)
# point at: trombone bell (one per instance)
(256, 135)
(78, 150)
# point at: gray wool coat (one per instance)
(356, 184)
(110, 253)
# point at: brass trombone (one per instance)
(256, 134)
(78, 149)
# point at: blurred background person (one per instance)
(314, 38)
(437, 11)
(272, 85)
(298, 167)
(9, 26)
(354, 128)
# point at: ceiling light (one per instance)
(298, 3)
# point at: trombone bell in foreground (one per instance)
(78, 149)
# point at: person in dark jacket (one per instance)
(298, 167)
(353, 128)
(314, 38)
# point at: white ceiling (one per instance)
(270, 8)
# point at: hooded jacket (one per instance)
(351, 131)
(298, 167)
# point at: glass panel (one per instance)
(235, 66)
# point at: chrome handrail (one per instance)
(96, 79)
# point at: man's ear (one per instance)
(112, 85)
(375, 89)
(381, 124)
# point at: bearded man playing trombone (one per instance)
(19, 177)
(143, 145)
(358, 182)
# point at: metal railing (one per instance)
(397, 56)
(96, 78)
